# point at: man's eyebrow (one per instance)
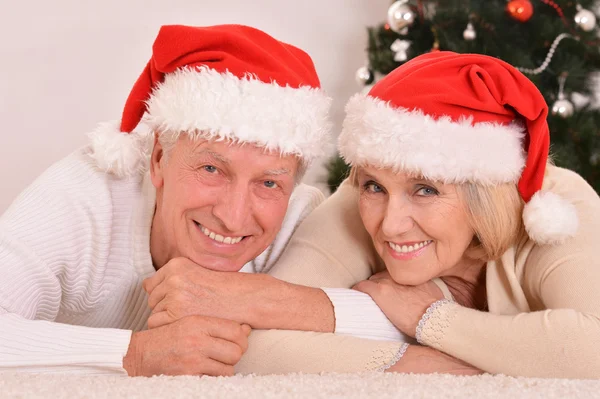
(214, 155)
(277, 172)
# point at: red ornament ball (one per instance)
(521, 10)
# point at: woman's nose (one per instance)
(398, 218)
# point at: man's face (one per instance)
(218, 204)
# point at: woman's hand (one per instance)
(403, 305)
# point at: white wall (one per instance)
(66, 65)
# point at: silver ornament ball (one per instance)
(470, 33)
(563, 108)
(364, 76)
(595, 158)
(586, 20)
(400, 16)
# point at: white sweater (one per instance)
(74, 249)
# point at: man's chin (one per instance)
(218, 263)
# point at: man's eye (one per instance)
(210, 169)
(270, 184)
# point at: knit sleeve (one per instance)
(38, 346)
(47, 249)
(279, 352)
(559, 336)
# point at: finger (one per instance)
(215, 368)
(380, 276)
(160, 319)
(366, 286)
(151, 283)
(246, 329)
(157, 295)
(223, 351)
(227, 330)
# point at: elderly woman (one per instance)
(451, 179)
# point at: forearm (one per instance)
(37, 346)
(347, 312)
(550, 344)
(282, 352)
(285, 306)
(424, 360)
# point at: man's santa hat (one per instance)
(461, 118)
(227, 82)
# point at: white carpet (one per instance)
(364, 385)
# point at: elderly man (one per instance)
(235, 117)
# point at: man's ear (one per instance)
(156, 166)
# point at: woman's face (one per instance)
(419, 227)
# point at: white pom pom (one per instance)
(120, 153)
(549, 219)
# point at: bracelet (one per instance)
(427, 315)
(396, 358)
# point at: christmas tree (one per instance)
(554, 43)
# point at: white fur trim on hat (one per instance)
(217, 105)
(550, 219)
(121, 154)
(376, 134)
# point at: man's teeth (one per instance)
(403, 249)
(220, 238)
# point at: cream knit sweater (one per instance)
(74, 249)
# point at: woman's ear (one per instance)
(156, 164)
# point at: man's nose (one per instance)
(233, 209)
(398, 218)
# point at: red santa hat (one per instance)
(228, 82)
(461, 118)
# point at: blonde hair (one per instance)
(494, 213)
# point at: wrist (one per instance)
(131, 358)
(289, 306)
(427, 314)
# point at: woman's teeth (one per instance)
(403, 249)
(220, 238)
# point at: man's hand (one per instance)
(182, 288)
(191, 346)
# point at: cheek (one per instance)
(270, 214)
(371, 215)
(187, 192)
(456, 232)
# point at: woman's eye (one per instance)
(427, 191)
(372, 187)
(270, 184)
(210, 169)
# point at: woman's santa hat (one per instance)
(228, 82)
(461, 118)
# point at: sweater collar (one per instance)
(143, 216)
